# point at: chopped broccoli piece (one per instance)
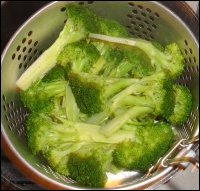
(154, 141)
(43, 96)
(56, 73)
(79, 56)
(183, 105)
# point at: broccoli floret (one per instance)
(171, 59)
(112, 28)
(43, 96)
(135, 64)
(79, 56)
(183, 105)
(56, 73)
(153, 142)
(89, 165)
(80, 21)
(91, 93)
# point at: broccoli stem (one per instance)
(72, 110)
(116, 123)
(48, 59)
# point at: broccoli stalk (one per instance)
(80, 22)
(171, 59)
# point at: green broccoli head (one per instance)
(183, 105)
(153, 142)
(41, 96)
(176, 59)
(56, 73)
(112, 28)
(82, 18)
(88, 95)
(135, 63)
(79, 56)
(89, 165)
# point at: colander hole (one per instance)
(190, 50)
(25, 56)
(137, 29)
(10, 127)
(19, 57)
(147, 22)
(157, 15)
(30, 33)
(128, 26)
(18, 131)
(90, 2)
(143, 14)
(24, 49)
(12, 104)
(148, 29)
(5, 108)
(35, 51)
(30, 41)
(8, 106)
(190, 60)
(135, 11)
(63, 9)
(30, 58)
(186, 52)
(148, 10)
(13, 113)
(132, 33)
(129, 16)
(4, 98)
(23, 40)
(131, 4)
(141, 26)
(36, 42)
(13, 56)
(133, 22)
(10, 115)
(186, 42)
(140, 6)
(20, 65)
(154, 26)
(144, 32)
(138, 18)
(30, 49)
(18, 48)
(40, 52)
(194, 59)
(65, 21)
(185, 60)
(152, 18)
(25, 65)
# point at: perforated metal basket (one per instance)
(145, 19)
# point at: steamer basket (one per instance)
(144, 19)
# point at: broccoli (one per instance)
(91, 93)
(171, 59)
(89, 165)
(56, 73)
(43, 96)
(80, 21)
(78, 56)
(183, 105)
(153, 142)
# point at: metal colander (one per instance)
(144, 19)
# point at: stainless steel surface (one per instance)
(146, 19)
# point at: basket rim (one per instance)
(49, 183)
